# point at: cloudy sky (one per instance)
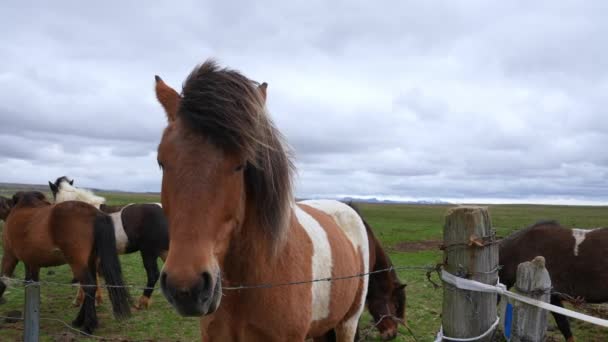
(462, 101)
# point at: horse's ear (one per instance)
(167, 97)
(262, 89)
(71, 182)
(53, 187)
(401, 286)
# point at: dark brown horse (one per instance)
(138, 227)
(385, 294)
(41, 235)
(227, 193)
(576, 259)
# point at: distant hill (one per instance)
(383, 201)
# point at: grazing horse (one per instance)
(576, 259)
(227, 193)
(63, 190)
(5, 207)
(138, 227)
(41, 235)
(385, 293)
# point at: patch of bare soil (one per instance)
(416, 246)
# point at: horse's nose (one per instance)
(199, 299)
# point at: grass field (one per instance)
(394, 225)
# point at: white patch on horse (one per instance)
(68, 192)
(354, 228)
(158, 204)
(579, 236)
(322, 264)
(122, 240)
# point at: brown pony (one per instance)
(385, 293)
(41, 235)
(577, 260)
(226, 191)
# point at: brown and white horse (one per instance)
(226, 190)
(41, 235)
(385, 299)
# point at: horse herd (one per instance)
(235, 246)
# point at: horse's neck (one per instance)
(250, 254)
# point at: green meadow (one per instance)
(410, 233)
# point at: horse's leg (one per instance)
(149, 259)
(562, 321)
(79, 299)
(9, 262)
(87, 316)
(98, 292)
(347, 330)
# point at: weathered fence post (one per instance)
(32, 312)
(529, 323)
(470, 252)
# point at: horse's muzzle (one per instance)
(201, 299)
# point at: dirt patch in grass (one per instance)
(416, 246)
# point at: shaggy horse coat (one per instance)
(227, 194)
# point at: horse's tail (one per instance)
(109, 265)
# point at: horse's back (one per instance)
(347, 219)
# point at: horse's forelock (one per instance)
(228, 109)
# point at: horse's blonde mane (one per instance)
(68, 192)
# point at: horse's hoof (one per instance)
(2, 300)
(143, 304)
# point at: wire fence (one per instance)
(365, 331)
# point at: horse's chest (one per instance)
(122, 240)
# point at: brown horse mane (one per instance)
(30, 199)
(226, 107)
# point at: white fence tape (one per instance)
(440, 336)
(472, 285)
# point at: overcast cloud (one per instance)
(462, 101)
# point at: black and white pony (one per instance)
(137, 227)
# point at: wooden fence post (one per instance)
(529, 322)
(470, 251)
(32, 313)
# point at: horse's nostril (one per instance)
(206, 280)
